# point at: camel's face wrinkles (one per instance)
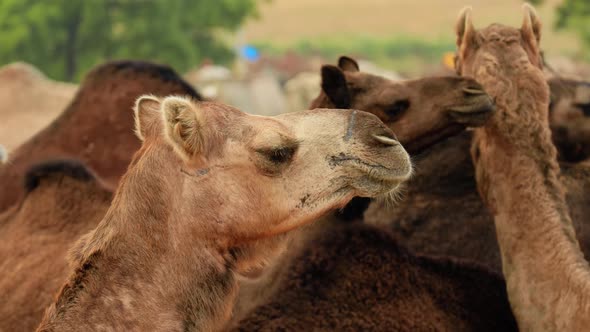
(271, 174)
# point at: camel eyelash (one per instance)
(278, 155)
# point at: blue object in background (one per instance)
(249, 53)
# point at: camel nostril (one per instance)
(392, 141)
(473, 91)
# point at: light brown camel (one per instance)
(11, 318)
(28, 97)
(98, 119)
(548, 279)
(421, 112)
(207, 191)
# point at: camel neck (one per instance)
(518, 178)
(133, 272)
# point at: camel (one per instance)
(29, 97)
(98, 119)
(355, 277)
(63, 200)
(441, 214)
(421, 112)
(68, 237)
(517, 174)
(187, 216)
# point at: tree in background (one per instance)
(573, 15)
(64, 38)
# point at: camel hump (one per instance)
(134, 70)
(56, 169)
(21, 71)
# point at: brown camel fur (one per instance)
(30, 101)
(247, 302)
(355, 277)
(96, 127)
(63, 201)
(569, 117)
(420, 112)
(201, 200)
(547, 277)
(441, 212)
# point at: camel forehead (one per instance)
(499, 32)
(264, 130)
(366, 81)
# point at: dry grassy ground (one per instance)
(287, 21)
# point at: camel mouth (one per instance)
(380, 178)
(475, 113)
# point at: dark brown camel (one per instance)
(442, 213)
(96, 127)
(421, 112)
(355, 277)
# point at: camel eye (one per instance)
(279, 155)
(396, 109)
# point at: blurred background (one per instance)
(262, 56)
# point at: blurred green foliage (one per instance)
(64, 38)
(574, 15)
(401, 53)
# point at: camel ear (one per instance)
(147, 115)
(183, 123)
(348, 64)
(465, 32)
(335, 87)
(531, 26)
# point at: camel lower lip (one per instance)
(472, 118)
(375, 172)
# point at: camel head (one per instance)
(420, 112)
(252, 176)
(497, 46)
